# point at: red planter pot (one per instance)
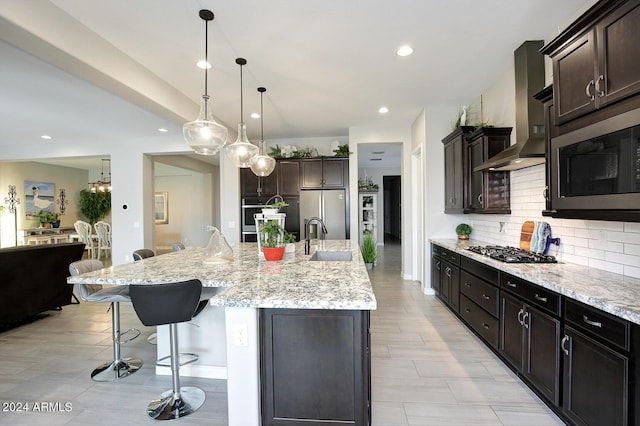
(273, 253)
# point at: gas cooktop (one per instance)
(512, 254)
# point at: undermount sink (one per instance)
(332, 256)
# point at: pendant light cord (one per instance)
(241, 62)
(261, 118)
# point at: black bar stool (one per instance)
(114, 294)
(171, 303)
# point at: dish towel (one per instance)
(541, 233)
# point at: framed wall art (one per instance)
(38, 196)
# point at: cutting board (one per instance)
(525, 235)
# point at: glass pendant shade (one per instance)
(262, 164)
(205, 135)
(242, 150)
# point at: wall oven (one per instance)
(596, 169)
(249, 207)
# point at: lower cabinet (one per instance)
(479, 299)
(529, 340)
(315, 367)
(596, 367)
(446, 279)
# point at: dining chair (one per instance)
(119, 367)
(84, 231)
(103, 231)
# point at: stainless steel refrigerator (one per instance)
(328, 205)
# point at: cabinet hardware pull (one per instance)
(485, 297)
(467, 285)
(590, 322)
(480, 198)
(597, 87)
(485, 325)
(545, 193)
(525, 320)
(510, 284)
(467, 310)
(448, 272)
(520, 320)
(564, 340)
(438, 265)
(588, 90)
(540, 298)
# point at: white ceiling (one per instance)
(327, 65)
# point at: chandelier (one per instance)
(104, 184)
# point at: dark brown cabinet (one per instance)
(596, 61)
(529, 340)
(455, 163)
(596, 366)
(479, 299)
(446, 280)
(288, 178)
(546, 97)
(254, 186)
(324, 173)
(488, 191)
(315, 367)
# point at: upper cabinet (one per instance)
(487, 191)
(288, 177)
(454, 169)
(324, 173)
(596, 61)
(254, 186)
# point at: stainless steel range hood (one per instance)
(529, 148)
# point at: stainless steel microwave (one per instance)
(597, 168)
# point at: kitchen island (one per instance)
(323, 304)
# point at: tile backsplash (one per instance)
(611, 246)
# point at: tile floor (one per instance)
(427, 369)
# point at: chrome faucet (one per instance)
(307, 243)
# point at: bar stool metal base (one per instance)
(171, 406)
(115, 370)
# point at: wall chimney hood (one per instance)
(529, 148)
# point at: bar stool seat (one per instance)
(171, 303)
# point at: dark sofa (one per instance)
(33, 279)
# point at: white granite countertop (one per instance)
(613, 293)
(252, 282)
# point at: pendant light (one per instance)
(262, 164)
(242, 150)
(205, 135)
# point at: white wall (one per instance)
(15, 173)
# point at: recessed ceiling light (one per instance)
(47, 137)
(383, 110)
(163, 130)
(404, 51)
(255, 115)
(203, 64)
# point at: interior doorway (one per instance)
(392, 190)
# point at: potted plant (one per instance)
(271, 240)
(289, 241)
(94, 205)
(47, 218)
(463, 230)
(369, 249)
(274, 204)
(342, 151)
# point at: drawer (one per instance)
(481, 292)
(598, 324)
(479, 320)
(481, 270)
(450, 256)
(531, 293)
(436, 250)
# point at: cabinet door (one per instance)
(334, 174)
(269, 184)
(453, 176)
(445, 287)
(574, 78)
(618, 40)
(292, 220)
(476, 157)
(511, 334)
(311, 174)
(288, 178)
(542, 354)
(595, 381)
(249, 183)
(436, 273)
(451, 285)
